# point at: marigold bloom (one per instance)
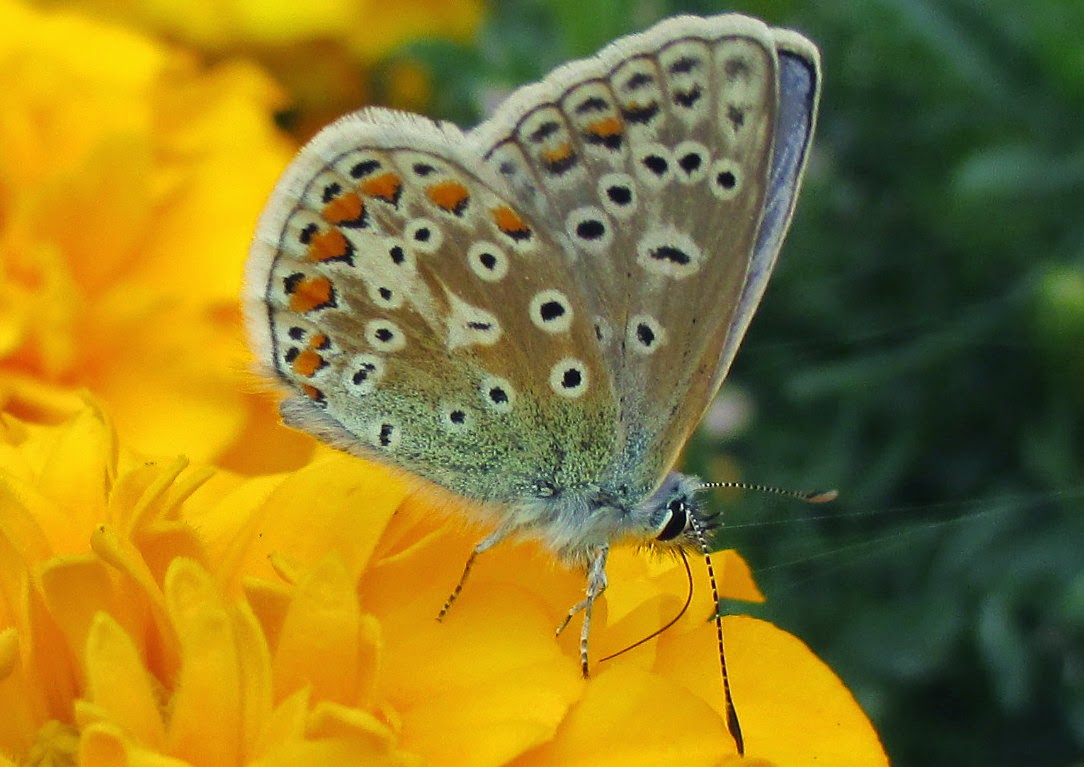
(322, 51)
(129, 183)
(157, 613)
(371, 28)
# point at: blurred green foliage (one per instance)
(921, 347)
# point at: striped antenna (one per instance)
(809, 496)
(732, 722)
(812, 496)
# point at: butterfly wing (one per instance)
(553, 299)
(669, 164)
(420, 316)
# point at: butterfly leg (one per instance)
(596, 584)
(486, 543)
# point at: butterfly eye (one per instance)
(677, 516)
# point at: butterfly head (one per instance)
(676, 516)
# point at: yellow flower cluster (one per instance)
(205, 611)
(153, 613)
(130, 178)
(323, 51)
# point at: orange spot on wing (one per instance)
(449, 195)
(386, 187)
(557, 154)
(312, 393)
(509, 222)
(307, 363)
(327, 246)
(311, 293)
(606, 127)
(346, 208)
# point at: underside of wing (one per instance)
(668, 165)
(421, 316)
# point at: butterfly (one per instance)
(534, 314)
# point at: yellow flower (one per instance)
(370, 28)
(321, 51)
(129, 185)
(154, 613)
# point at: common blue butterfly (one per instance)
(535, 314)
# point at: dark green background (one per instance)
(921, 347)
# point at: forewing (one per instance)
(418, 314)
(668, 165)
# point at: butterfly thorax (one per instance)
(573, 522)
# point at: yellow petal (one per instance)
(285, 724)
(132, 180)
(103, 746)
(76, 473)
(220, 120)
(492, 666)
(76, 588)
(106, 745)
(9, 652)
(181, 361)
(794, 711)
(628, 717)
(734, 577)
(119, 683)
(26, 512)
(139, 587)
(339, 505)
(330, 720)
(257, 683)
(318, 643)
(17, 698)
(269, 603)
(206, 724)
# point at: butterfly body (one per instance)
(534, 315)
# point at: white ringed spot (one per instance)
(693, 160)
(365, 372)
(420, 166)
(617, 193)
(497, 394)
(669, 252)
(423, 235)
(384, 335)
(726, 179)
(456, 417)
(569, 378)
(359, 164)
(589, 228)
(654, 165)
(551, 311)
(487, 261)
(644, 335)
